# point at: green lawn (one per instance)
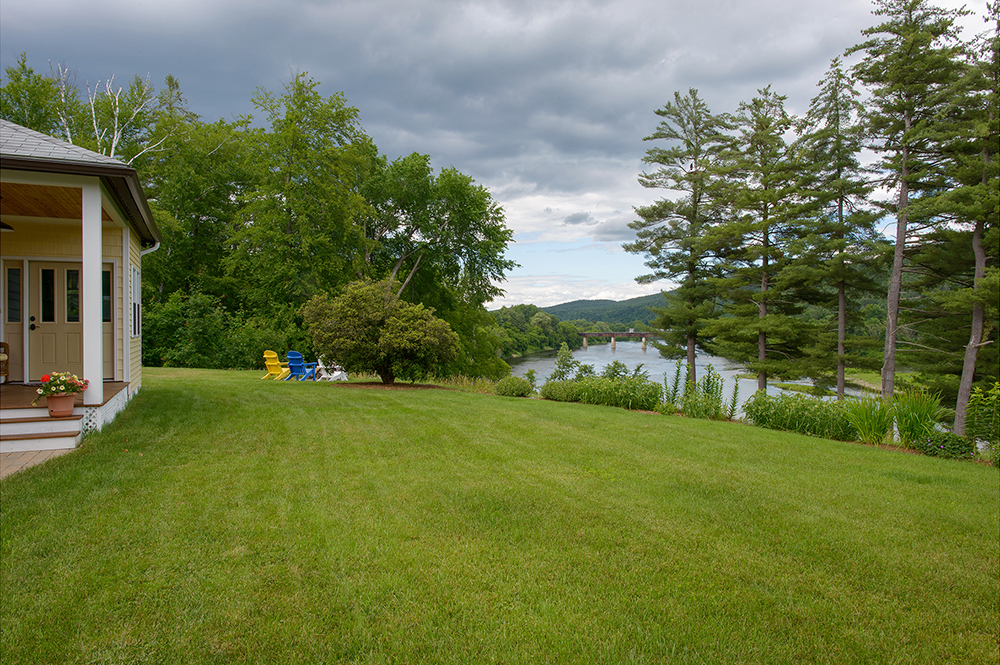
(224, 519)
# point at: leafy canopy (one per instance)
(368, 329)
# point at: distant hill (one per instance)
(615, 312)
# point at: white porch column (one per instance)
(93, 345)
(123, 277)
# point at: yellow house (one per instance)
(75, 225)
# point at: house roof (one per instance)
(24, 149)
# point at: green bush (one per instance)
(946, 444)
(990, 454)
(984, 415)
(513, 386)
(565, 365)
(916, 413)
(800, 413)
(636, 393)
(562, 391)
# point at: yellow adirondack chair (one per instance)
(276, 369)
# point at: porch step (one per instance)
(31, 428)
(32, 412)
(18, 443)
(38, 425)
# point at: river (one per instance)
(631, 353)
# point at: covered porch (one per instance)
(20, 395)
(75, 225)
(28, 428)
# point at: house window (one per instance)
(106, 296)
(136, 303)
(13, 295)
(73, 296)
(48, 295)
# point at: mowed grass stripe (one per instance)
(255, 521)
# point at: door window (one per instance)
(72, 296)
(48, 295)
(13, 295)
(106, 296)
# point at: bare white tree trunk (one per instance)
(61, 75)
(122, 116)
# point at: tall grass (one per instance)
(704, 398)
(675, 389)
(800, 413)
(916, 413)
(871, 417)
(635, 392)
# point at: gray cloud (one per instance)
(579, 218)
(544, 102)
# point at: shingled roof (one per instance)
(18, 141)
(25, 149)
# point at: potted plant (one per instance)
(59, 390)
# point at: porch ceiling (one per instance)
(42, 201)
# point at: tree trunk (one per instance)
(841, 337)
(692, 377)
(841, 301)
(975, 339)
(761, 314)
(896, 279)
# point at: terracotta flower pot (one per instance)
(60, 405)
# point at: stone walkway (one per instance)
(12, 462)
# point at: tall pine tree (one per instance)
(838, 248)
(670, 232)
(957, 265)
(908, 59)
(761, 330)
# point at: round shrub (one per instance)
(562, 391)
(946, 444)
(513, 386)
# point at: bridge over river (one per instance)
(613, 335)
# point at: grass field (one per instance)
(222, 519)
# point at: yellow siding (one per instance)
(50, 241)
(111, 244)
(58, 241)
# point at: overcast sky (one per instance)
(545, 103)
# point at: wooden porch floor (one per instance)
(19, 396)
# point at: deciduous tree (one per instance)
(368, 329)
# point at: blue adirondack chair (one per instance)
(298, 369)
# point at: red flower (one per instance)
(45, 378)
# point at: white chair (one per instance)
(332, 373)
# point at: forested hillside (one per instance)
(620, 313)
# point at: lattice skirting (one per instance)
(96, 417)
